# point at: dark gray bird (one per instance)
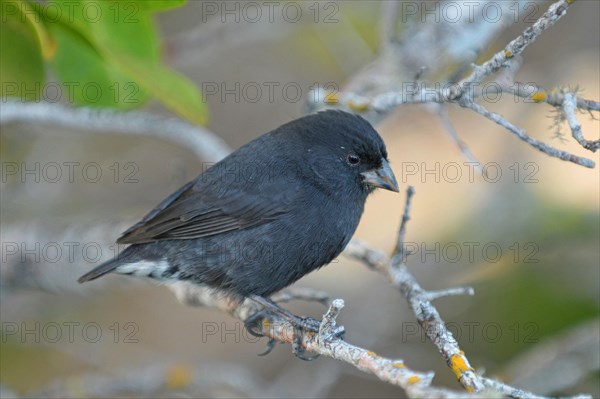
(276, 209)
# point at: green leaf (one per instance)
(160, 5)
(21, 65)
(176, 91)
(88, 78)
(122, 44)
(29, 14)
(123, 27)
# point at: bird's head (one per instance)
(340, 146)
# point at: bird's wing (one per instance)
(191, 213)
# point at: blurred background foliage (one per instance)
(530, 301)
(107, 51)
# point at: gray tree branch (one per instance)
(371, 95)
(205, 144)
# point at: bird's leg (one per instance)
(300, 324)
(303, 323)
(302, 294)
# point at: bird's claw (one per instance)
(308, 324)
(270, 345)
(252, 323)
(297, 348)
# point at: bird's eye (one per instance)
(353, 159)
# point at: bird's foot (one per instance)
(253, 325)
(297, 348)
(301, 325)
(299, 335)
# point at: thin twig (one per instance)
(456, 291)
(509, 391)
(537, 94)
(328, 324)
(462, 146)
(569, 108)
(399, 251)
(521, 134)
(515, 47)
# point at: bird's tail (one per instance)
(132, 261)
(100, 271)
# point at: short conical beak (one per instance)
(382, 177)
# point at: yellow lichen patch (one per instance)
(331, 98)
(414, 379)
(570, 1)
(459, 365)
(358, 107)
(373, 354)
(539, 96)
(399, 365)
(507, 54)
(179, 376)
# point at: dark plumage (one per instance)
(276, 209)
